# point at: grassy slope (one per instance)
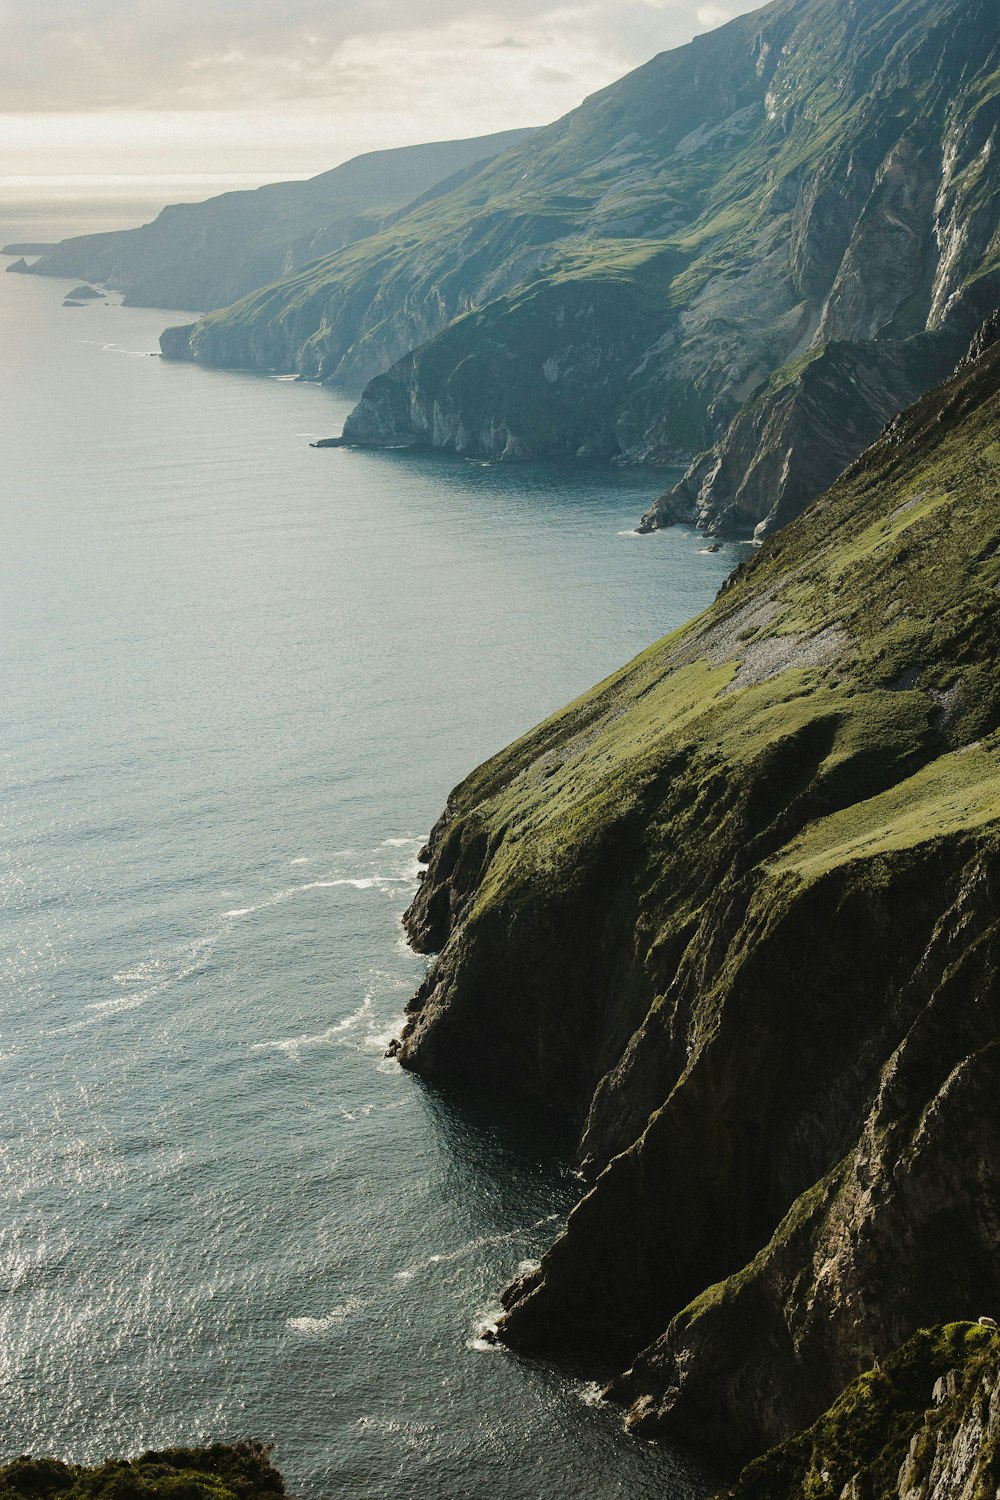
(695, 913)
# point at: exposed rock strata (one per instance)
(733, 917)
(792, 440)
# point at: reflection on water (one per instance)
(240, 677)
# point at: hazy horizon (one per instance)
(114, 88)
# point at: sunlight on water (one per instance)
(240, 677)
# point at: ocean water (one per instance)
(239, 677)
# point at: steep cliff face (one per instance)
(802, 429)
(924, 1425)
(621, 284)
(567, 343)
(206, 255)
(920, 269)
(732, 917)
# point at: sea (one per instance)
(239, 677)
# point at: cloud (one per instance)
(713, 15)
(223, 54)
(318, 79)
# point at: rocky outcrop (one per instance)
(222, 1471)
(924, 1424)
(174, 342)
(803, 429)
(731, 918)
(205, 255)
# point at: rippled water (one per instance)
(239, 678)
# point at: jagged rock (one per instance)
(897, 1433)
(806, 425)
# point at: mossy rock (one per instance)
(223, 1471)
(887, 1430)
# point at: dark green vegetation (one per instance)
(926, 1422)
(203, 255)
(240, 1471)
(814, 175)
(733, 916)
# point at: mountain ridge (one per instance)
(208, 254)
(621, 285)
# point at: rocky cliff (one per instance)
(923, 1425)
(801, 430)
(205, 255)
(817, 176)
(732, 918)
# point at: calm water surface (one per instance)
(239, 678)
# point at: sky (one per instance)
(273, 87)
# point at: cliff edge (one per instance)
(731, 916)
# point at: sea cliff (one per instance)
(801, 204)
(206, 255)
(923, 1425)
(731, 917)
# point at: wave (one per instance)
(155, 976)
(355, 882)
(447, 1257)
(117, 349)
(483, 1337)
(193, 957)
(293, 1046)
(329, 1320)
